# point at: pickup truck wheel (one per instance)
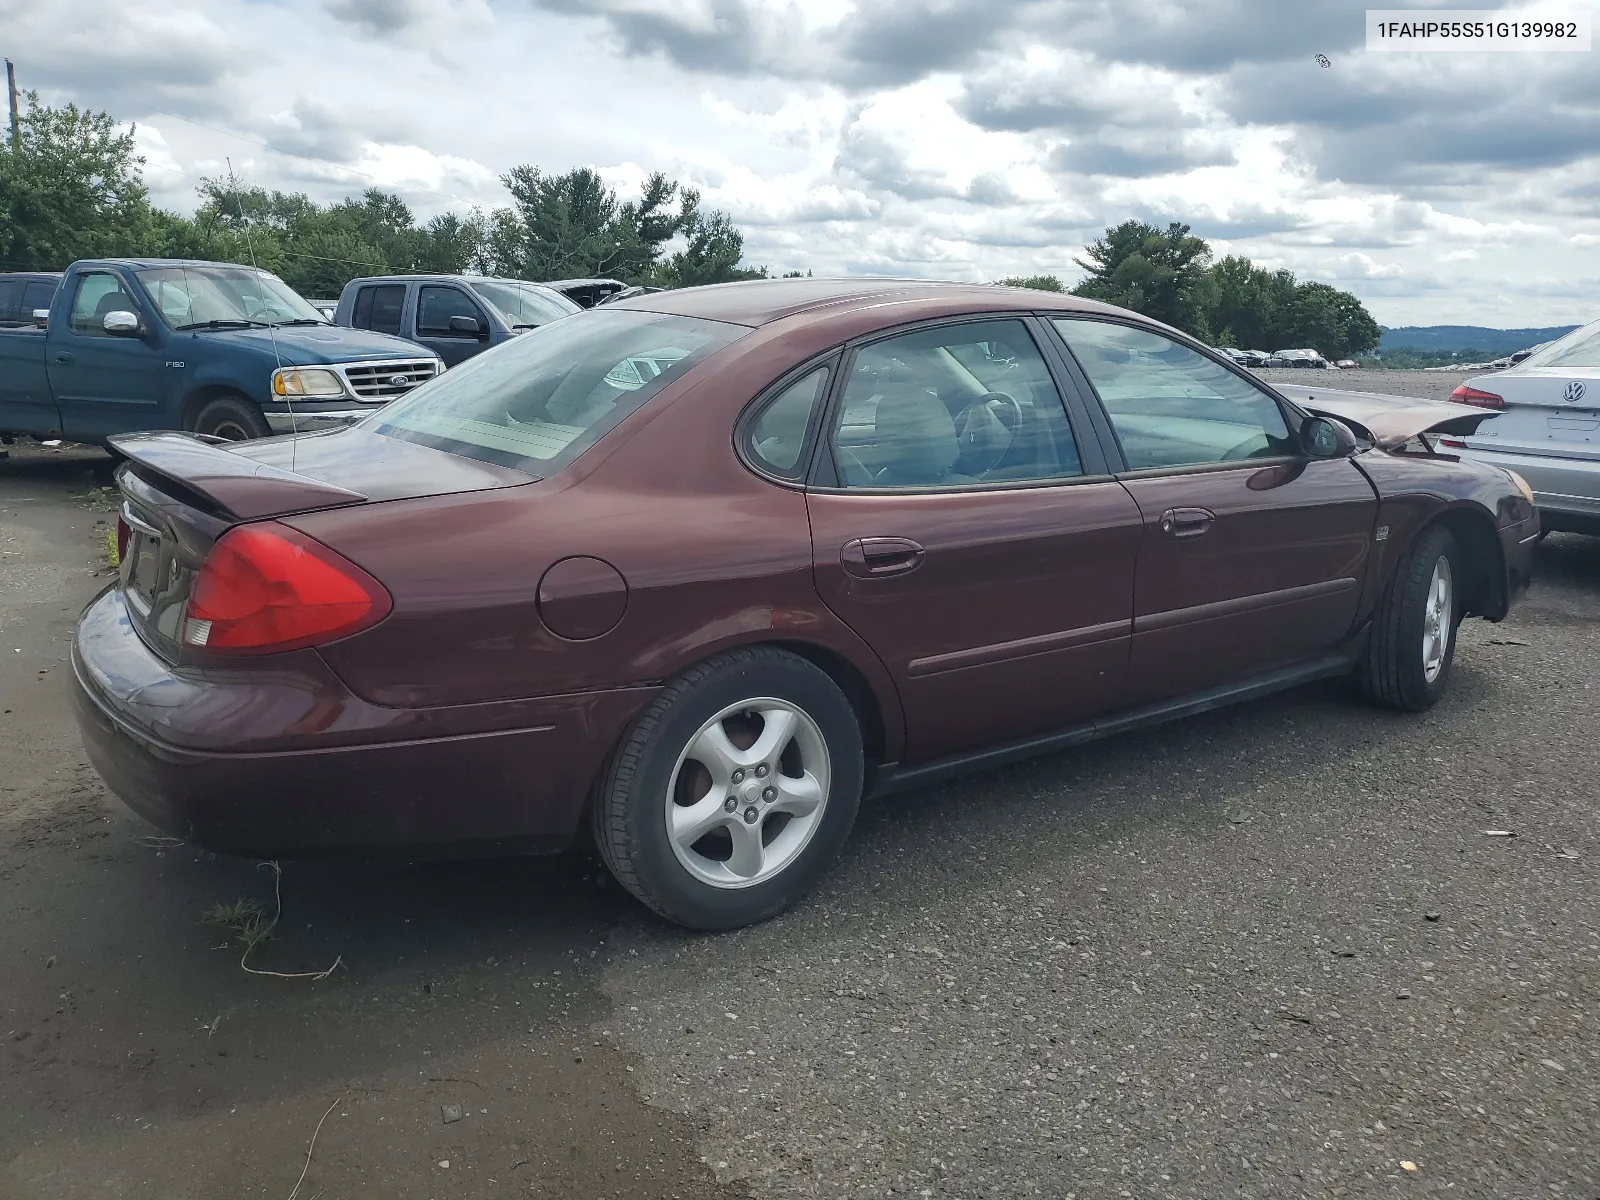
(1413, 642)
(234, 418)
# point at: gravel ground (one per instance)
(1269, 951)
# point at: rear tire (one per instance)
(758, 729)
(1412, 648)
(233, 417)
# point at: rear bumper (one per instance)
(520, 788)
(1565, 490)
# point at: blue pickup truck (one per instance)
(212, 348)
(453, 316)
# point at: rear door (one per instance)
(107, 384)
(968, 532)
(1252, 554)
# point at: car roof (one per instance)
(30, 274)
(760, 301)
(146, 263)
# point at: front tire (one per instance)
(734, 792)
(232, 417)
(1413, 644)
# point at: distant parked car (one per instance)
(587, 292)
(629, 294)
(26, 294)
(1251, 358)
(1298, 358)
(454, 316)
(1347, 364)
(1548, 427)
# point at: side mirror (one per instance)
(467, 325)
(121, 323)
(1322, 437)
(41, 317)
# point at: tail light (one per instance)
(1453, 443)
(1472, 396)
(124, 535)
(266, 587)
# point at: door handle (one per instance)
(878, 557)
(1186, 522)
(63, 357)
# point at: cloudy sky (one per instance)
(964, 139)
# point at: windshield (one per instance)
(524, 305)
(538, 402)
(189, 297)
(1580, 348)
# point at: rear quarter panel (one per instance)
(713, 557)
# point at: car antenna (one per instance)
(272, 332)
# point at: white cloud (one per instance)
(962, 138)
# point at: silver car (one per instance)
(1548, 430)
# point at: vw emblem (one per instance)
(1574, 392)
(402, 380)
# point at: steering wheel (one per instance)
(987, 429)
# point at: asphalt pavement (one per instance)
(1278, 950)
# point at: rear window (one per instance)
(1580, 348)
(536, 403)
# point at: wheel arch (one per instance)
(1483, 590)
(199, 397)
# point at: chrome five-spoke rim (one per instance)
(748, 793)
(1438, 620)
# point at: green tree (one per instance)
(70, 188)
(711, 255)
(1042, 283)
(1160, 273)
(1332, 321)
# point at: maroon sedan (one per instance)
(701, 568)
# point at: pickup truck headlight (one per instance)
(306, 381)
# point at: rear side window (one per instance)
(10, 301)
(544, 398)
(435, 307)
(1171, 406)
(778, 434)
(378, 308)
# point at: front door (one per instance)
(105, 383)
(965, 542)
(1253, 553)
(437, 304)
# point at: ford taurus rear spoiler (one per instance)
(1388, 421)
(235, 486)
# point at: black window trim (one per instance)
(824, 477)
(1293, 416)
(467, 294)
(744, 447)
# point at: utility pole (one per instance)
(11, 89)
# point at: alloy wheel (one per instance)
(1438, 619)
(748, 793)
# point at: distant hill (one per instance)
(1449, 338)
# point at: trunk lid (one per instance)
(180, 493)
(1387, 421)
(1553, 411)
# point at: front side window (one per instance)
(539, 401)
(952, 406)
(98, 295)
(1171, 406)
(204, 297)
(435, 307)
(378, 308)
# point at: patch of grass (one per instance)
(113, 555)
(247, 922)
(101, 499)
